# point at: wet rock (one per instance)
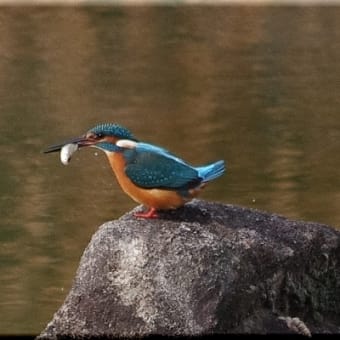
(205, 268)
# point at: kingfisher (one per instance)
(149, 174)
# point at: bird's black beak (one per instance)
(80, 141)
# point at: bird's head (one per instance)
(102, 136)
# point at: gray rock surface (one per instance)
(205, 268)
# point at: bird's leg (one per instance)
(151, 213)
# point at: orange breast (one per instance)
(155, 198)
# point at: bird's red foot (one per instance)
(151, 213)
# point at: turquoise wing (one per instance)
(149, 166)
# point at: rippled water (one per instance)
(256, 86)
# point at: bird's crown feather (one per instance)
(110, 129)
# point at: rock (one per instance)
(204, 268)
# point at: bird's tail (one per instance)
(211, 171)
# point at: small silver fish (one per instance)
(66, 152)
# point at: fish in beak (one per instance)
(69, 147)
(79, 141)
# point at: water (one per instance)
(256, 86)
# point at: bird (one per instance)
(149, 174)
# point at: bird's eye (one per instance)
(92, 135)
(97, 136)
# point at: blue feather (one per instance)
(109, 129)
(211, 171)
(150, 166)
(145, 147)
